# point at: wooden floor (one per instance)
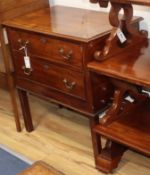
(61, 138)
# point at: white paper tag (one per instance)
(130, 99)
(146, 92)
(101, 115)
(121, 35)
(27, 62)
(5, 36)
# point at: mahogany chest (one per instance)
(60, 42)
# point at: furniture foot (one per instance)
(110, 156)
(25, 110)
(107, 158)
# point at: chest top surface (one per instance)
(73, 23)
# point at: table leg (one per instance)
(110, 156)
(97, 147)
(12, 91)
(107, 158)
(10, 80)
(25, 110)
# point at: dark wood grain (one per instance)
(137, 2)
(132, 130)
(104, 3)
(68, 83)
(125, 122)
(8, 10)
(12, 8)
(66, 22)
(46, 37)
(9, 78)
(126, 65)
(52, 75)
(51, 49)
(121, 27)
(3, 81)
(132, 66)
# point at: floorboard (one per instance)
(61, 138)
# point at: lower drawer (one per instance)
(56, 96)
(54, 76)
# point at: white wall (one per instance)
(139, 10)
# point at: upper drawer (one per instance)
(54, 76)
(46, 47)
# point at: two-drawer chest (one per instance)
(50, 50)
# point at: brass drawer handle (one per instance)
(23, 44)
(66, 56)
(27, 71)
(69, 85)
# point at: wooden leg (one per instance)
(12, 91)
(97, 147)
(110, 156)
(60, 106)
(25, 110)
(10, 81)
(107, 158)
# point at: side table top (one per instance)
(132, 65)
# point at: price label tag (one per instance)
(121, 35)
(130, 99)
(27, 62)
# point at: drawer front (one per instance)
(54, 76)
(46, 47)
(56, 96)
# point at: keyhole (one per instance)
(46, 67)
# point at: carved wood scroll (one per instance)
(127, 98)
(123, 34)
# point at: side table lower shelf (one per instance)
(132, 130)
(128, 131)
